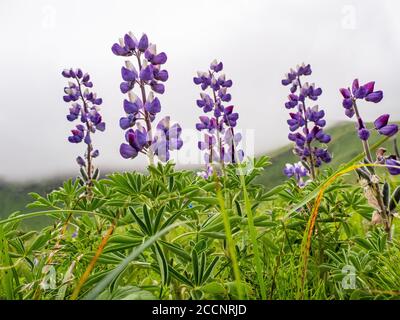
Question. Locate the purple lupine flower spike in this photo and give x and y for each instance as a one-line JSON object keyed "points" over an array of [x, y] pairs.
{"points": [[366, 92], [220, 141], [141, 111], [85, 106], [306, 123]]}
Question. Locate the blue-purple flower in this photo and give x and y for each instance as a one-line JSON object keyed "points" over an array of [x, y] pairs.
{"points": [[382, 126], [136, 140], [149, 76], [306, 123], [166, 139], [366, 92], [296, 170], [393, 165], [220, 141], [85, 107]]}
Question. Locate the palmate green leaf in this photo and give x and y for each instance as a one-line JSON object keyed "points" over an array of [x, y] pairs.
{"points": [[147, 221], [215, 223], [40, 241], [202, 266], [171, 219], [205, 200], [178, 276], [269, 195], [214, 288], [162, 264], [176, 249], [195, 267], [214, 235], [209, 269], [158, 218], [122, 242], [105, 258], [6, 274], [139, 221], [57, 213]]}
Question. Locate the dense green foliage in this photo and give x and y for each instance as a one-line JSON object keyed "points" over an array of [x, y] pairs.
{"points": [[172, 235]]}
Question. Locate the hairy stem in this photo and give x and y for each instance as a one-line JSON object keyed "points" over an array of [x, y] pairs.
{"points": [[89, 171], [375, 186], [146, 115], [311, 157]]}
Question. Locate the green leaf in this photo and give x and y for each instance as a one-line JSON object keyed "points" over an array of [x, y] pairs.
{"points": [[210, 269], [213, 288], [135, 252], [195, 266], [162, 264], [206, 200], [139, 221]]}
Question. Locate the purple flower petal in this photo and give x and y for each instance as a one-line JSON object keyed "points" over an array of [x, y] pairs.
{"points": [[374, 96], [363, 134], [118, 50], [146, 74], [369, 87], [130, 107], [347, 103], [130, 43], [158, 87], [160, 58], [381, 121], [345, 93], [389, 130], [143, 43], [128, 75], [127, 151], [355, 86]]}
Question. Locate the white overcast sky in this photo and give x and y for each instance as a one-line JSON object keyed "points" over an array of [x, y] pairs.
{"points": [[258, 41]]}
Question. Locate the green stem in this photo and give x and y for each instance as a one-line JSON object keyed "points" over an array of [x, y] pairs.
{"points": [[253, 238], [229, 240]]}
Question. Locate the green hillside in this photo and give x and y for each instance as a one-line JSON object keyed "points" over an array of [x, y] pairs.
{"points": [[344, 146]]}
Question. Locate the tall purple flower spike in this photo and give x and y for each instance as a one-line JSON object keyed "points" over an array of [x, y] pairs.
{"points": [[381, 124], [365, 92], [85, 107], [149, 77], [306, 123], [220, 140]]}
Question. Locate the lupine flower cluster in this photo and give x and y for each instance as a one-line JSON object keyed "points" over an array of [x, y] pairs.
{"points": [[220, 140], [381, 124], [366, 92], [296, 170], [306, 123], [141, 111], [85, 107]]}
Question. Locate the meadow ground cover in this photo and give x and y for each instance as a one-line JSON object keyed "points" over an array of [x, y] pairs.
{"points": [[216, 233]]}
